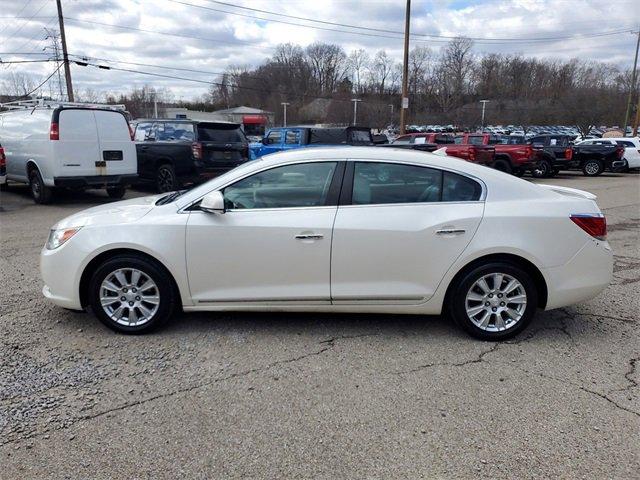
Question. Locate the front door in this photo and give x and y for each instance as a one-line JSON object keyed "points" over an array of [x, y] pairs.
{"points": [[273, 243], [401, 230]]}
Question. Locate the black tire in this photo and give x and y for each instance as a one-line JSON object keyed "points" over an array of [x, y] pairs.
{"points": [[518, 172], [592, 168], [458, 296], [166, 178], [503, 166], [554, 172], [4, 187], [39, 191], [116, 192], [152, 270], [542, 169]]}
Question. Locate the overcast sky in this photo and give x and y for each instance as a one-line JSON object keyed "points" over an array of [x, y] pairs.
{"points": [[237, 37]]}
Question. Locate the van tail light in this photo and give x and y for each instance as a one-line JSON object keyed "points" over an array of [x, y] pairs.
{"points": [[54, 132], [568, 153], [130, 131], [196, 149], [594, 224]]}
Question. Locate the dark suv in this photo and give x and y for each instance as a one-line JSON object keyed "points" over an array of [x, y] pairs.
{"points": [[172, 152]]}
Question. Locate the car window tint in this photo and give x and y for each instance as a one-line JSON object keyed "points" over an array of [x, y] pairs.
{"points": [[292, 137], [142, 132], [624, 143], [177, 132], [458, 188], [300, 185], [420, 140], [475, 140], [220, 133], [377, 183]]}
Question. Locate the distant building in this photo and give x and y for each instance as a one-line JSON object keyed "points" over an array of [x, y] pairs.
{"points": [[254, 120]]}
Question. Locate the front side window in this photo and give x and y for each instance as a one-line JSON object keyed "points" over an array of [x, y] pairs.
{"points": [[379, 183], [299, 185]]}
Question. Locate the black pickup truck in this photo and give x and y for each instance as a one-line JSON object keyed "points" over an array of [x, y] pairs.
{"points": [[557, 152], [172, 152]]}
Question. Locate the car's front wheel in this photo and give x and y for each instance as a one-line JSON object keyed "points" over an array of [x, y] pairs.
{"points": [[116, 192], [495, 301], [166, 179], [132, 294], [592, 168], [542, 169]]}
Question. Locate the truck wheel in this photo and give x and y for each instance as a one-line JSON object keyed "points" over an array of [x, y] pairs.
{"points": [[503, 166], [592, 168], [518, 172], [40, 192], [116, 192], [165, 178], [542, 170], [554, 172]]}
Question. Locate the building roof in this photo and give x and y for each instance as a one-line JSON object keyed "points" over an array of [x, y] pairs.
{"points": [[243, 110]]}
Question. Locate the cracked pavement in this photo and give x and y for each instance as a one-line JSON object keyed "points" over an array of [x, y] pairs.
{"points": [[318, 396]]}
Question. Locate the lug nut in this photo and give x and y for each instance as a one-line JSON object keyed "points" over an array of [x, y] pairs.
{"points": [[134, 290], [486, 303], [502, 304], [491, 295], [499, 295], [138, 298], [122, 298], [124, 290], [494, 309], [131, 304]]}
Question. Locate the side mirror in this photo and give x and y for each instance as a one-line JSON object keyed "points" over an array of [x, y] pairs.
{"points": [[213, 202], [265, 140]]}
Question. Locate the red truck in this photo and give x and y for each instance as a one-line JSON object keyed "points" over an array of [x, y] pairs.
{"points": [[482, 154], [513, 155]]}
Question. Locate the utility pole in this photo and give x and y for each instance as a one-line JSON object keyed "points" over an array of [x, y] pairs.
{"points": [[54, 37], [484, 103], [355, 109], [65, 57], [155, 104], [405, 70], [637, 120], [633, 87], [284, 106]]}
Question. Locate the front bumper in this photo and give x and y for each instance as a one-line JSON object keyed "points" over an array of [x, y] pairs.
{"points": [[95, 181], [587, 274], [61, 270]]}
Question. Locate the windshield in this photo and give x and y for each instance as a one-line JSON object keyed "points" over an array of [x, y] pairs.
{"points": [[220, 133]]}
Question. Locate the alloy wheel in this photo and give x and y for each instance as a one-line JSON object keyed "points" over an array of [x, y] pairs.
{"points": [[165, 179], [129, 297], [592, 168], [496, 302]]}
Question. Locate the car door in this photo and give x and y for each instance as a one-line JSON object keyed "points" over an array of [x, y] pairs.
{"points": [[398, 229], [273, 243], [272, 142]]}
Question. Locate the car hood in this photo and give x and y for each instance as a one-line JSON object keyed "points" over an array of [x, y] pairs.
{"points": [[126, 211]]}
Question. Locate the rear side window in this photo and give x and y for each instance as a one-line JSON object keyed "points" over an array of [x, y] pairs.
{"points": [[458, 188], [624, 143], [143, 131], [292, 137], [380, 183], [174, 132], [475, 140], [220, 133]]}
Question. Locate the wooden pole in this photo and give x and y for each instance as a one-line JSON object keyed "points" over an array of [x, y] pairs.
{"points": [[405, 71]]}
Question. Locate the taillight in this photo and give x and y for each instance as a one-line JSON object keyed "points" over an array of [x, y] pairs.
{"points": [[54, 132], [472, 155], [568, 153], [529, 151], [196, 149], [3, 159], [620, 152], [594, 224]]}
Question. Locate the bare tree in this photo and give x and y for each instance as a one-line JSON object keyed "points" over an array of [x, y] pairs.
{"points": [[358, 63]]}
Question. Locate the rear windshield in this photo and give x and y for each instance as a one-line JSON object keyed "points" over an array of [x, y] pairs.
{"points": [[221, 133]]}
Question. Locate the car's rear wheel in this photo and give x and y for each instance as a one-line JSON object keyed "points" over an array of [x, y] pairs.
{"points": [[502, 165], [132, 294], [495, 301], [592, 168], [116, 192], [39, 191], [518, 172], [166, 179], [542, 169]]}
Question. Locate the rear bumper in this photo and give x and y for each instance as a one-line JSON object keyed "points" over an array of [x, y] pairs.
{"points": [[588, 273], [95, 181]]}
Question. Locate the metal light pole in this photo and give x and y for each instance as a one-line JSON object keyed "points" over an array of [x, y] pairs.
{"points": [[484, 103], [632, 89], [355, 109], [155, 104], [405, 70], [284, 106]]}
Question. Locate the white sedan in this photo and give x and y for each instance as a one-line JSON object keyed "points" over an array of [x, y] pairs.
{"points": [[344, 229]]}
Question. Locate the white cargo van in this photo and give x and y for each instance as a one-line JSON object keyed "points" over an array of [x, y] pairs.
{"points": [[68, 145]]}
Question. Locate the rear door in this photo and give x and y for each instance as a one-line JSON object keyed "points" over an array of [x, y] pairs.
{"points": [[117, 151], [224, 146], [78, 149], [399, 230]]}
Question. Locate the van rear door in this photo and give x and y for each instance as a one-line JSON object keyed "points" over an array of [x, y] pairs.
{"points": [[77, 150], [116, 149]]}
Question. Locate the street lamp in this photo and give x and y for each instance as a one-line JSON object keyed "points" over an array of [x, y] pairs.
{"points": [[284, 105], [484, 103], [355, 109]]}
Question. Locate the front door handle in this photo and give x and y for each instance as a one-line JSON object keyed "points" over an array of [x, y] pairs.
{"points": [[309, 236], [450, 231]]}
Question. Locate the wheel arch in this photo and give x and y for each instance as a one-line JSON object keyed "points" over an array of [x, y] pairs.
{"points": [[526, 265], [95, 262]]}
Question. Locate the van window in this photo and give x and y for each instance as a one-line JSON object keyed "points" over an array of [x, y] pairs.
{"points": [[78, 125]]}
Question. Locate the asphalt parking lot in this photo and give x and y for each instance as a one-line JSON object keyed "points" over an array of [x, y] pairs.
{"points": [[317, 396]]}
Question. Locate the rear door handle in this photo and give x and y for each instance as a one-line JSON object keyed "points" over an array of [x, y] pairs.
{"points": [[309, 236], [450, 231]]}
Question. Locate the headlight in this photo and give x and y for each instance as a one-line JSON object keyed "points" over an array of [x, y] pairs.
{"points": [[58, 237]]}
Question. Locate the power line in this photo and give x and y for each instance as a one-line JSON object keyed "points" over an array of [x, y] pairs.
{"points": [[45, 81]]}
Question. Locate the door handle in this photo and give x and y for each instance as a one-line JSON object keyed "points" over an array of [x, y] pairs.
{"points": [[309, 236], [450, 231]]}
